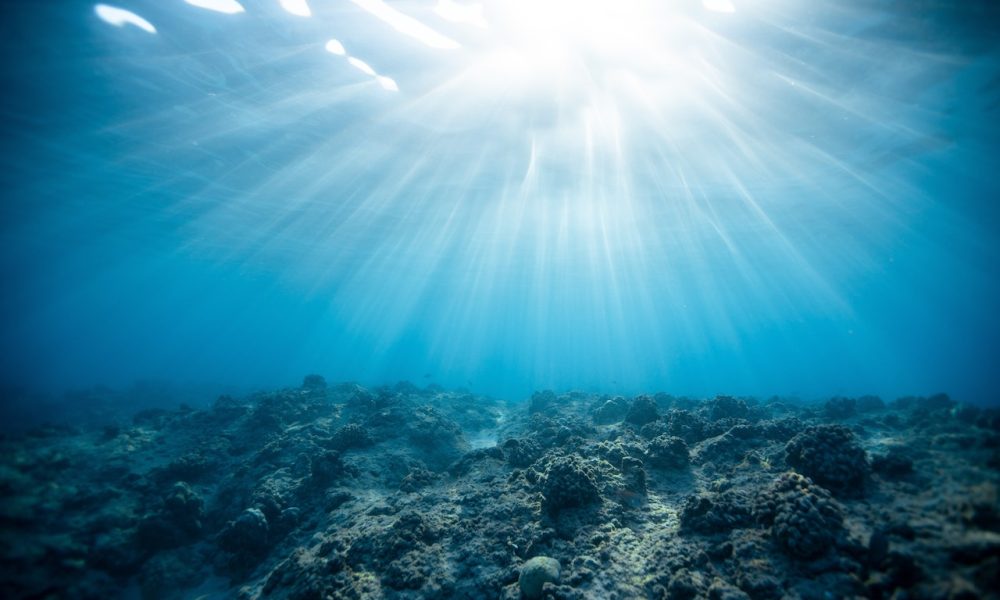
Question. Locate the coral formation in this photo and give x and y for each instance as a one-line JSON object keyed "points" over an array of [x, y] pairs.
{"points": [[804, 518], [535, 573], [643, 410], [402, 492], [568, 482], [727, 407], [350, 436], [667, 452], [521, 452], [716, 512], [611, 410], [831, 456], [894, 464]]}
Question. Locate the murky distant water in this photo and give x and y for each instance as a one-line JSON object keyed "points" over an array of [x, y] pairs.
{"points": [[700, 197]]}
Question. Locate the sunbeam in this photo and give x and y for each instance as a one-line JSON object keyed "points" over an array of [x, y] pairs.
{"points": [[120, 17], [644, 190]]}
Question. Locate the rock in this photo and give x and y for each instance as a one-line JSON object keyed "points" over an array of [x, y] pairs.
{"points": [[686, 425], [634, 475], [654, 429], [687, 584], [757, 580], [831, 456], [417, 479], [643, 410], [668, 452], [177, 520], [166, 573], [805, 520], [535, 573], [432, 431], [521, 452], [729, 447], [569, 482], [980, 507], [878, 548], [781, 430], [710, 513], [274, 498], [184, 508], [727, 407], [720, 590], [326, 467], [246, 537], [191, 466], [475, 457], [114, 551], [611, 411], [975, 547], [350, 436], [894, 464]]}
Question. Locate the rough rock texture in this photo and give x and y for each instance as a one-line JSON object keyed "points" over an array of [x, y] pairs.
{"points": [[568, 482], [667, 452], [334, 491], [894, 464], [805, 520], [727, 407], [350, 436], [643, 410], [535, 573], [611, 410], [831, 456], [716, 512], [521, 452]]}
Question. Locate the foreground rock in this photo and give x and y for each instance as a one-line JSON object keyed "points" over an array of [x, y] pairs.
{"points": [[337, 491]]}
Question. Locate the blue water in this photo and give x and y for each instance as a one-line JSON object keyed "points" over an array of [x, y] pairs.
{"points": [[790, 198]]}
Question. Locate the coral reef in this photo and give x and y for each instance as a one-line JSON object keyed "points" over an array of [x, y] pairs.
{"points": [[611, 410], [667, 452], [535, 573], [804, 518], [568, 482], [402, 492], [716, 512], [831, 456], [643, 410]]}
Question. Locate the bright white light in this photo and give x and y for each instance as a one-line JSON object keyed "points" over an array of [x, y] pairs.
{"points": [[120, 17], [460, 12], [720, 6], [406, 25], [229, 7], [361, 66], [387, 83], [299, 8], [335, 47], [554, 32]]}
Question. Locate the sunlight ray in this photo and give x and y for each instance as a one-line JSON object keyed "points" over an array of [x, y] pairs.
{"points": [[120, 17]]}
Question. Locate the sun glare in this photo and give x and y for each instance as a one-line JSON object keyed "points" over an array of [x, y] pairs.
{"points": [[554, 29], [299, 8], [227, 7], [120, 17]]}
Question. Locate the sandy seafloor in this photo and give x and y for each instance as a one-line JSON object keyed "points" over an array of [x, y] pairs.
{"points": [[336, 491]]}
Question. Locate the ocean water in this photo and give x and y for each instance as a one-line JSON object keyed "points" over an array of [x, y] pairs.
{"points": [[514, 299], [743, 197]]}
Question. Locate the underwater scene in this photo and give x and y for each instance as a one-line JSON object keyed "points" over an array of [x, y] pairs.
{"points": [[512, 299]]}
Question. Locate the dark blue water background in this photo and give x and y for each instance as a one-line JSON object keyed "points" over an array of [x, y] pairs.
{"points": [[795, 198]]}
